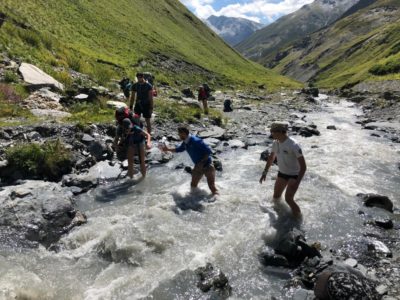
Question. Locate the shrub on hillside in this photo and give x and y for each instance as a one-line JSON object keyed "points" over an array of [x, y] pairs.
{"points": [[391, 67], [9, 94], [50, 161], [10, 76]]}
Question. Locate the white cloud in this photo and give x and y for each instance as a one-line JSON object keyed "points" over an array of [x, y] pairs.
{"points": [[256, 10]]}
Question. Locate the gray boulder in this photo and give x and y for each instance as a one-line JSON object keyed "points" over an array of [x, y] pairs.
{"points": [[37, 211], [37, 78]]}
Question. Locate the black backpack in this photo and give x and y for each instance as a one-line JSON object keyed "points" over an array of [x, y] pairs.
{"points": [[125, 84], [207, 89]]}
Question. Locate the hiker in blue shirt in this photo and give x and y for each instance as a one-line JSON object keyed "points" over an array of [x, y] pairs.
{"points": [[200, 154]]}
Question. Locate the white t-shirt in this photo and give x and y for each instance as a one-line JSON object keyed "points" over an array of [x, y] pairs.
{"points": [[287, 154]]}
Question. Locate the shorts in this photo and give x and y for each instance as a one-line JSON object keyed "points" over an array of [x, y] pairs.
{"points": [[144, 110], [207, 171], [287, 177]]}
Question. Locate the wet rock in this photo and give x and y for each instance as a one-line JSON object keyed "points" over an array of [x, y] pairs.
{"points": [[379, 248], [264, 155], [384, 223], [217, 165], [235, 144], [351, 262], [331, 127], [375, 200], [87, 139], [344, 285], [294, 247], [211, 278], [308, 131], [268, 257], [310, 91], [37, 211], [188, 169], [100, 150]]}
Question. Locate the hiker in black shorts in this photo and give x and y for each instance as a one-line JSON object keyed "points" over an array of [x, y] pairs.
{"points": [[141, 99]]}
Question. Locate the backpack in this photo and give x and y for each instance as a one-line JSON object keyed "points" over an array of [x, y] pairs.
{"points": [[207, 89], [150, 78], [125, 84], [122, 113]]}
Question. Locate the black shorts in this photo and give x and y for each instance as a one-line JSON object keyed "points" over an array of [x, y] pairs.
{"points": [[287, 177], [144, 110]]}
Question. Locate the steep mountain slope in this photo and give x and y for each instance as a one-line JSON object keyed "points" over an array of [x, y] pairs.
{"points": [[233, 30], [362, 46], [262, 45], [108, 38]]}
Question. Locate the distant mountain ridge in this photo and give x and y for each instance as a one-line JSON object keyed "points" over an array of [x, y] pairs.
{"points": [[364, 45], [232, 30], [262, 45]]}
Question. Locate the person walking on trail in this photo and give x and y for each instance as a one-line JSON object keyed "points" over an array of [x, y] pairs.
{"points": [[200, 153], [291, 163], [203, 95], [136, 138], [141, 99]]}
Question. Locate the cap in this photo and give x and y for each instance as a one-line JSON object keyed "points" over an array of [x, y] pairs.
{"points": [[279, 126], [126, 123]]}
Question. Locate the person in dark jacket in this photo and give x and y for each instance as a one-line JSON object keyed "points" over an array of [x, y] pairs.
{"points": [[136, 139], [200, 154], [141, 99]]}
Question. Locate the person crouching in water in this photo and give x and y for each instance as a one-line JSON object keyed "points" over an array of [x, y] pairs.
{"points": [[135, 140], [200, 153], [291, 163]]}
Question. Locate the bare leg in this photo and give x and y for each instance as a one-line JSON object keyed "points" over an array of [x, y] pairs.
{"points": [[280, 185], [196, 176], [210, 175], [148, 125], [205, 106], [142, 159], [289, 197], [131, 160]]}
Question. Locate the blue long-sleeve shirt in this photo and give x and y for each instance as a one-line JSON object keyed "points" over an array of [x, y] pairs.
{"points": [[196, 149]]}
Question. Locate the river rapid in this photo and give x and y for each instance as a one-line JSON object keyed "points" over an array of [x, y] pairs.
{"points": [[143, 240]]}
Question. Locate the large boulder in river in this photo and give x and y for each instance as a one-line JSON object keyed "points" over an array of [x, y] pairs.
{"points": [[374, 200], [36, 78], [36, 212]]}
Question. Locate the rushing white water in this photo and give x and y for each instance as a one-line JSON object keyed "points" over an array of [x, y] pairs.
{"points": [[140, 236]]}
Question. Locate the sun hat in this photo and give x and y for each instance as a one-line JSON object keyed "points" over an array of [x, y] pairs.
{"points": [[279, 126]]}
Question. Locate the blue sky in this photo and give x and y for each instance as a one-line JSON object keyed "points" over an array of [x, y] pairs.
{"points": [[263, 11]]}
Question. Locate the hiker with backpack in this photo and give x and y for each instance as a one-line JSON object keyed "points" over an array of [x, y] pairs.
{"points": [[141, 99], [126, 84], [130, 139], [136, 139], [204, 92]]}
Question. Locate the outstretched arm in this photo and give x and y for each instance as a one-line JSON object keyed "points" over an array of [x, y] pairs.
{"points": [[270, 161]]}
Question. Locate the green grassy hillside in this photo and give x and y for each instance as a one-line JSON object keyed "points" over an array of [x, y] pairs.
{"points": [[110, 38], [362, 46]]}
